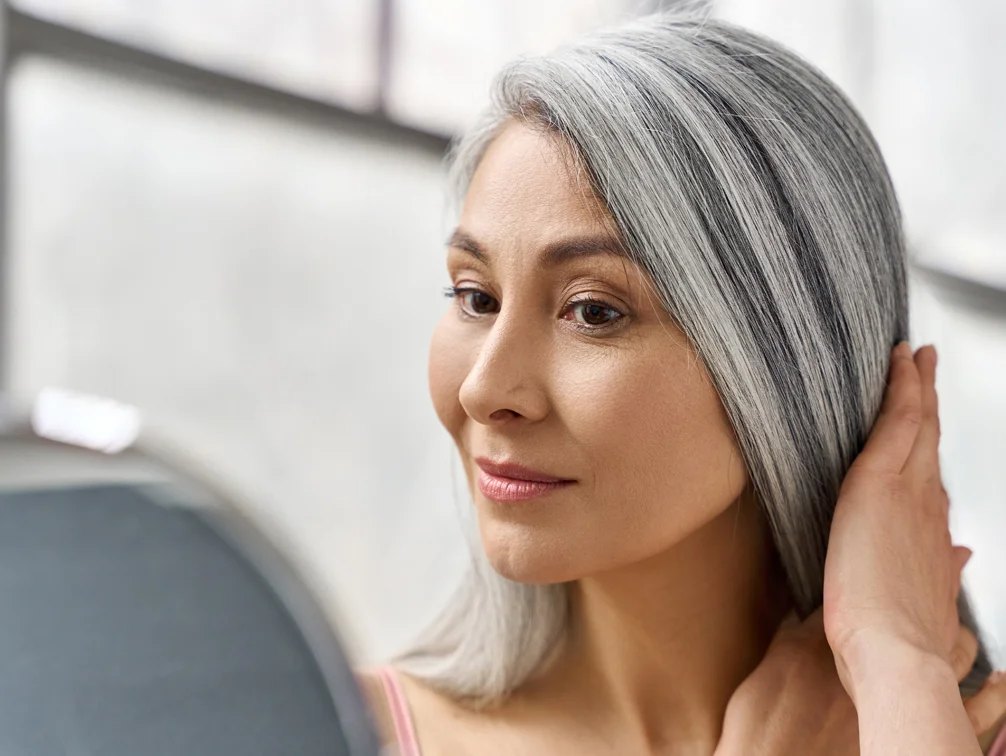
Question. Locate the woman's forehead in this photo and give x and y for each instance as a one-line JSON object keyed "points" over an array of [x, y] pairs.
{"points": [[526, 168], [529, 186]]}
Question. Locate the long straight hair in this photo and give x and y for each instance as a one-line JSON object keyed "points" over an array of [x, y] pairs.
{"points": [[753, 194]]}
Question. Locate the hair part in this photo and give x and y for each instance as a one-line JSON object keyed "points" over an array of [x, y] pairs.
{"points": [[745, 184]]}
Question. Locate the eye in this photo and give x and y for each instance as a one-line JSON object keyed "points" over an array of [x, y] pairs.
{"points": [[594, 314], [472, 301]]}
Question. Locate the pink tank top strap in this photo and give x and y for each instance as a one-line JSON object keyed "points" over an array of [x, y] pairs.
{"points": [[405, 731], [999, 746], [408, 743]]}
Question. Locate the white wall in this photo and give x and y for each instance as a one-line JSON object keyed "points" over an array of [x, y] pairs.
{"points": [[938, 107], [448, 51], [265, 290]]}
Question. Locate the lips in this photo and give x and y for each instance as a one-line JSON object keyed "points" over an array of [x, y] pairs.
{"points": [[510, 482]]}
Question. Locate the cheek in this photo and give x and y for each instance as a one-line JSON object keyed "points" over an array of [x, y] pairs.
{"points": [[448, 368], [659, 445]]}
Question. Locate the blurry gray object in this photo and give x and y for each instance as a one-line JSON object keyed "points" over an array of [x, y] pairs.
{"points": [[142, 615], [979, 296]]}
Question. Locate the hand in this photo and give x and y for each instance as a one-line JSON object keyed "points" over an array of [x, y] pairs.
{"points": [[794, 703], [892, 575]]}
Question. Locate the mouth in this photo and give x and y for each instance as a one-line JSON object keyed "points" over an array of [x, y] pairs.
{"points": [[509, 482]]}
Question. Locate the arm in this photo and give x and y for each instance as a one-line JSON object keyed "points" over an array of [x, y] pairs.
{"points": [[890, 640], [892, 578], [794, 703], [908, 701]]}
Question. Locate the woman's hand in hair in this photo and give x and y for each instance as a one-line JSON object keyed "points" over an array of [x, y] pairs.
{"points": [[892, 576], [794, 703]]}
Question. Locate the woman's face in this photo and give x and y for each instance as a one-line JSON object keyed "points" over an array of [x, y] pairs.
{"points": [[555, 356]]}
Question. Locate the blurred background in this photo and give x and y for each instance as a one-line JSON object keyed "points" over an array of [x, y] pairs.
{"points": [[231, 215]]}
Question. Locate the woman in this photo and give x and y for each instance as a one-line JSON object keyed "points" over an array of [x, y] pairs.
{"points": [[677, 278]]}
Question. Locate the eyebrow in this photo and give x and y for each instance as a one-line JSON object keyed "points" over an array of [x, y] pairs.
{"points": [[554, 253]]}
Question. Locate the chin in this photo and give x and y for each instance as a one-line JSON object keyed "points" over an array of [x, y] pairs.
{"points": [[519, 553]]}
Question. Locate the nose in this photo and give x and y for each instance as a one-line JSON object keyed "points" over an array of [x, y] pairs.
{"points": [[507, 379]]}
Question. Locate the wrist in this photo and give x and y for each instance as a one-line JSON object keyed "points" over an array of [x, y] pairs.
{"points": [[906, 698], [887, 665]]}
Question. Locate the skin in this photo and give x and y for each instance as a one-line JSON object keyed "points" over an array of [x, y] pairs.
{"points": [[794, 703], [627, 411], [892, 622], [566, 364]]}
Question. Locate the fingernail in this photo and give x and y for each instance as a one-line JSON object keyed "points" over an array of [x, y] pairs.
{"points": [[903, 349], [997, 677]]}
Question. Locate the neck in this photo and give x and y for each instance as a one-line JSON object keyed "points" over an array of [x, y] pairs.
{"points": [[660, 646]]}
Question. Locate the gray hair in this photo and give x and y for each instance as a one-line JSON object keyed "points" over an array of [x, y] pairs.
{"points": [[752, 193]]}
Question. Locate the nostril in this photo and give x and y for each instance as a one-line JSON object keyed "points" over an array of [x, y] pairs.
{"points": [[503, 414]]}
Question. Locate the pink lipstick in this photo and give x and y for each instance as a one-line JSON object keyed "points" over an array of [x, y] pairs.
{"points": [[508, 482]]}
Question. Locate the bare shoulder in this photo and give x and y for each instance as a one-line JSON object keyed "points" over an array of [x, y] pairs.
{"points": [[445, 726], [373, 690], [521, 724], [442, 725]]}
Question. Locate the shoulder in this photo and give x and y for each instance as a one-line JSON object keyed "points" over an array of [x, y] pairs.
{"points": [[442, 725], [372, 685]]}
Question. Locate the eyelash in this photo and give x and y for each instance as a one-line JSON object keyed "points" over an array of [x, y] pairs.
{"points": [[458, 292]]}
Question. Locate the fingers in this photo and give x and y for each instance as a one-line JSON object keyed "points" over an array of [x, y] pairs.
{"points": [[987, 706], [792, 619], [789, 628], [793, 630], [923, 460], [964, 653], [961, 556], [815, 621], [897, 427]]}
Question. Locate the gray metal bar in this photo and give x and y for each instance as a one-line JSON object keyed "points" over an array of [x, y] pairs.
{"points": [[5, 282], [385, 51], [26, 34]]}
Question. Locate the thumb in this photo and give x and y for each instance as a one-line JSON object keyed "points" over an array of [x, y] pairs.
{"points": [[962, 554], [788, 628], [790, 620], [793, 627]]}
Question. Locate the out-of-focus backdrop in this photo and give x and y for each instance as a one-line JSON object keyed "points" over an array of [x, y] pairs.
{"points": [[232, 216]]}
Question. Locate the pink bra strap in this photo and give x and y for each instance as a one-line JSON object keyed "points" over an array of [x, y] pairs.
{"points": [[999, 747], [405, 732]]}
